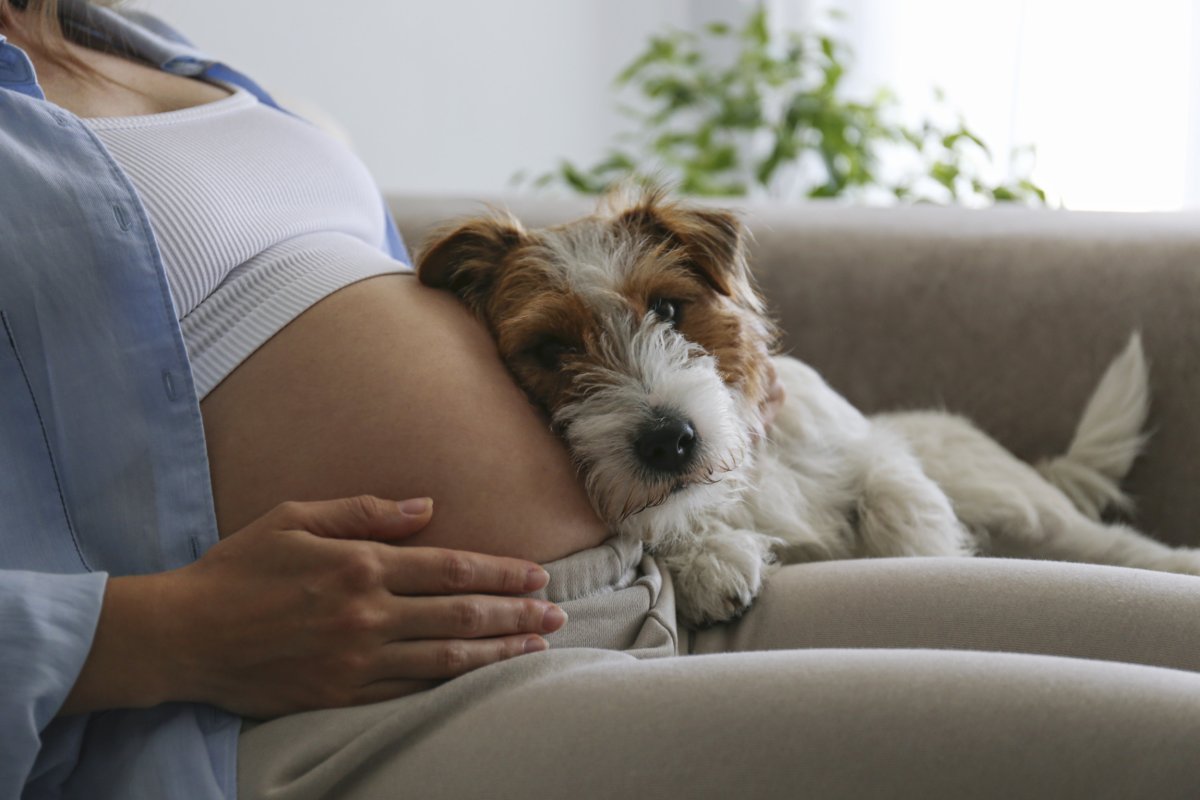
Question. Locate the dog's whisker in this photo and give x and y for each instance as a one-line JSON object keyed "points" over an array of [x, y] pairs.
{"points": [[627, 506]]}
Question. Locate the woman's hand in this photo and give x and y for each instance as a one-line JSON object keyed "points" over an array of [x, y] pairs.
{"points": [[311, 606]]}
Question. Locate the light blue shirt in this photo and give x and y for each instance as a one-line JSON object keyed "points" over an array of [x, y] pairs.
{"points": [[103, 467]]}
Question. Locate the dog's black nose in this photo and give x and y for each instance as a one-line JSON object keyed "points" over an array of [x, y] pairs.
{"points": [[666, 444]]}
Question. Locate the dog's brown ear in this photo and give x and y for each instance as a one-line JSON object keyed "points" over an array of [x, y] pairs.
{"points": [[464, 259], [713, 239]]}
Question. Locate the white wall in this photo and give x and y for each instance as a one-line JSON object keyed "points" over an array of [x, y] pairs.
{"points": [[458, 95], [1107, 90], [1192, 200], [440, 95]]}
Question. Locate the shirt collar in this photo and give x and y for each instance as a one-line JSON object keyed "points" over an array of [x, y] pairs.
{"points": [[139, 35], [134, 33], [16, 70]]}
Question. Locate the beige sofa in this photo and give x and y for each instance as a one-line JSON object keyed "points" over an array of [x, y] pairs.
{"points": [[921, 678], [1007, 315]]}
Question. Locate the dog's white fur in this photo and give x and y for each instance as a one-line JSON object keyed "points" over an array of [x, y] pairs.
{"points": [[826, 482], [830, 483]]}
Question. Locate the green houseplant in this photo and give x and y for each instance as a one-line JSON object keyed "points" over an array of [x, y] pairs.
{"points": [[773, 121]]}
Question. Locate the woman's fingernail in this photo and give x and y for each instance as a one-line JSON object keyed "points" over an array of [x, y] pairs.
{"points": [[553, 619], [536, 578], [416, 507], [536, 645]]}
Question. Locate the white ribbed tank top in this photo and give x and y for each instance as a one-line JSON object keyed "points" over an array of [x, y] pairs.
{"points": [[258, 215]]}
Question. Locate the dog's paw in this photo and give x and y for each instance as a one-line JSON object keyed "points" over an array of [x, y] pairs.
{"points": [[718, 580]]}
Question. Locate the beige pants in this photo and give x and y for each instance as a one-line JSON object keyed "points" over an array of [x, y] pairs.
{"points": [[923, 678]]}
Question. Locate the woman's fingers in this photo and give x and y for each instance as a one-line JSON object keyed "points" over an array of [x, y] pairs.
{"points": [[406, 668], [361, 517], [301, 609], [435, 571], [417, 570], [473, 617], [440, 659]]}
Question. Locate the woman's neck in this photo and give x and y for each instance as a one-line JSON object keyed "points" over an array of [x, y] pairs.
{"points": [[104, 84]]}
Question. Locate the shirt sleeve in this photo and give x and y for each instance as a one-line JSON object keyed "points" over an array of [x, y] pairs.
{"points": [[393, 244], [47, 623]]}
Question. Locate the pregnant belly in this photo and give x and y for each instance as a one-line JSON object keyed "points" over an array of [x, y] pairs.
{"points": [[390, 388]]}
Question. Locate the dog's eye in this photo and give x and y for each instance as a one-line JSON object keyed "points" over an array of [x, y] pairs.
{"points": [[667, 310], [550, 353]]}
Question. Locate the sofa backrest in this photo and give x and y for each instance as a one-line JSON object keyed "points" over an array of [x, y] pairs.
{"points": [[1007, 315]]}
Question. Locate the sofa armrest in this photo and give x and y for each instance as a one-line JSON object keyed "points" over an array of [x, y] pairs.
{"points": [[1007, 315]]}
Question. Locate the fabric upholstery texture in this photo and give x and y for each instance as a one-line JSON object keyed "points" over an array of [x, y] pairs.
{"points": [[904, 678]]}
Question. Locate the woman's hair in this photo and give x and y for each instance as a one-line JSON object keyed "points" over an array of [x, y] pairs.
{"points": [[42, 28]]}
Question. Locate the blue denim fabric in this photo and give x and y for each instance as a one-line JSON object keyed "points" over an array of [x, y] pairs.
{"points": [[103, 469]]}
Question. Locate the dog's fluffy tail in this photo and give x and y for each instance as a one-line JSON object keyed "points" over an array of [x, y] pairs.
{"points": [[1109, 437]]}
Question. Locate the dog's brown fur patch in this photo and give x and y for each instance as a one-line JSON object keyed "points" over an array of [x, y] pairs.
{"points": [[694, 257]]}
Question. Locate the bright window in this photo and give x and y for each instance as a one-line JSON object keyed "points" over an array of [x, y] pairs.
{"points": [[1107, 91]]}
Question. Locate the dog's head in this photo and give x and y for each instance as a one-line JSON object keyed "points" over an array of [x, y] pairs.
{"points": [[639, 331]]}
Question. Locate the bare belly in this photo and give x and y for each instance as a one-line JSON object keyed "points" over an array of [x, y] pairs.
{"points": [[391, 388]]}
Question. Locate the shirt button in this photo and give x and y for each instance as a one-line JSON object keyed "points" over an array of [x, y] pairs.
{"points": [[169, 385], [184, 65], [122, 216]]}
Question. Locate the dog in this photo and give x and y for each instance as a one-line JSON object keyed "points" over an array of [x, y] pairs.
{"points": [[640, 333]]}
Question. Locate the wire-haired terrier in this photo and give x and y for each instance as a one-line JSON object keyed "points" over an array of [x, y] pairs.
{"points": [[639, 331]]}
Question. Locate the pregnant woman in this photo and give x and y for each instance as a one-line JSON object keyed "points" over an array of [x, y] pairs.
{"points": [[214, 367]]}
